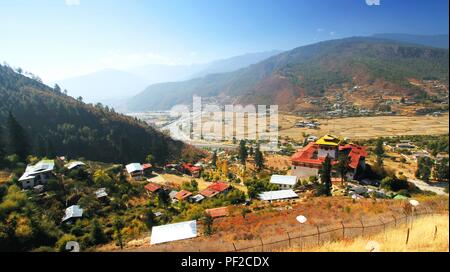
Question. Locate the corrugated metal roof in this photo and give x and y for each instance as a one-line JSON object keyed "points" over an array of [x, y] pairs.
{"points": [[134, 167], [285, 180], [173, 232], [72, 165], [40, 167], [218, 212], [278, 195], [73, 212]]}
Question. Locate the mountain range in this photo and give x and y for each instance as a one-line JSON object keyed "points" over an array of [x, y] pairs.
{"points": [[306, 71], [111, 86]]}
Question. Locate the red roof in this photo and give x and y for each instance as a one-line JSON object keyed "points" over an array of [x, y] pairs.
{"points": [[308, 154], [215, 189], [218, 212], [182, 195], [146, 166], [191, 168], [152, 187], [219, 186]]}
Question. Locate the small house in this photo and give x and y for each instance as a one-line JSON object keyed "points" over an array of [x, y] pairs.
{"points": [[284, 182], [215, 189], [72, 213], [152, 188], [135, 170], [218, 212], [183, 195], [37, 174]]}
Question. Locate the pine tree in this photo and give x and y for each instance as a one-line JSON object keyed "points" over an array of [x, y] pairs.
{"points": [[325, 176], [2, 150], [208, 224], [18, 142], [97, 236], [379, 152], [342, 166], [259, 158], [214, 159], [243, 152]]}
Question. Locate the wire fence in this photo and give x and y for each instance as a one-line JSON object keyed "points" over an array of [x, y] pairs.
{"points": [[302, 237], [315, 235]]}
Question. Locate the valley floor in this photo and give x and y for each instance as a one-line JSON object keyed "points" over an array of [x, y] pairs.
{"points": [[368, 127]]}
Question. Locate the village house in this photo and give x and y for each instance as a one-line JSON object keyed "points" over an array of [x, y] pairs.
{"points": [[37, 174], [191, 170], [282, 195], [183, 195], [72, 213], [284, 182], [218, 212], [135, 170], [152, 188], [308, 161], [75, 165], [215, 189]]}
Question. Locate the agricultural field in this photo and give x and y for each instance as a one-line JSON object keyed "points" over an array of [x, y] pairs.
{"points": [[368, 127]]}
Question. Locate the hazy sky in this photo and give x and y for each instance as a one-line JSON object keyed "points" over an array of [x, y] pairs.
{"points": [[62, 38]]}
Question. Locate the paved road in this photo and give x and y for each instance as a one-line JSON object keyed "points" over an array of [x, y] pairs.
{"points": [[438, 188]]}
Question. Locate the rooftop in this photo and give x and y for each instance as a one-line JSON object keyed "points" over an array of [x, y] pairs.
{"points": [[278, 195], [218, 212], [283, 180], [134, 167], [74, 164], [173, 232], [40, 167], [152, 187], [182, 195], [73, 212], [329, 140]]}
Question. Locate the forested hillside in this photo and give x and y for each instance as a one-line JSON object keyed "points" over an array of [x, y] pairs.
{"points": [[57, 124], [307, 71]]}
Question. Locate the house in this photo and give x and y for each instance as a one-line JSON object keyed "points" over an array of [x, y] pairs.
{"points": [[197, 198], [74, 165], [173, 232], [215, 189], [152, 188], [147, 168], [101, 193], [308, 161], [218, 212], [277, 195], [284, 182], [135, 170], [183, 195], [72, 213], [191, 170], [37, 174]]}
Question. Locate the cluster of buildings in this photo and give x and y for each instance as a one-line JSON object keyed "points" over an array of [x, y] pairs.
{"points": [[211, 191]]}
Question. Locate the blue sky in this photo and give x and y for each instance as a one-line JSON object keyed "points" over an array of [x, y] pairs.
{"points": [[62, 38]]}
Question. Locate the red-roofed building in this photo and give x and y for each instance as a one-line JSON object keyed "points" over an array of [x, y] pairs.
{"points": [[308, 161], [152, 187], [215, 189], [183, 195], [218, 212], [192, 170]]}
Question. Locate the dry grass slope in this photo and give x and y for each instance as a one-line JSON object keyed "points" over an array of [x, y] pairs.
{"points": [[422, 238]]}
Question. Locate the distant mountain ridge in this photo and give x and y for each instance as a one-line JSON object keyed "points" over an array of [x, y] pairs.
{"points": [[438, 41], [109, 86], [305, 71]]}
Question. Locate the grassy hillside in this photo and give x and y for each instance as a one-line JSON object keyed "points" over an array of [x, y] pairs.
{"points": [[307, 71], [57, 124]]}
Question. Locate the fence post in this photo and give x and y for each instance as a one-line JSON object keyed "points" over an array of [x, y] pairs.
{"points": [[362, 225], [235, 249], [384, 225], [262, 244], [343, 230], [318, 235], [407, 237], [395, 220], [289, 237], [435, 233]]}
